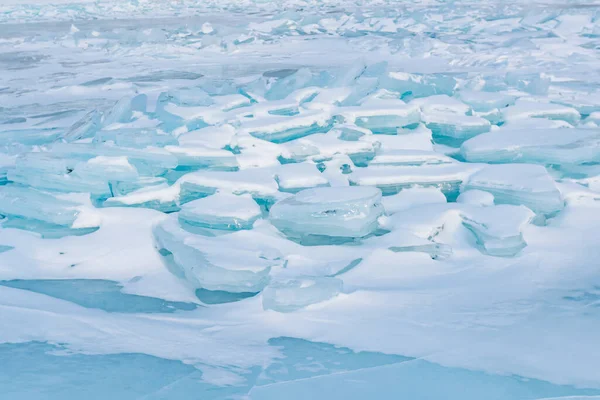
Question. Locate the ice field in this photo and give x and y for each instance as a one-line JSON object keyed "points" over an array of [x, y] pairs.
{"points": [[299, 199]]}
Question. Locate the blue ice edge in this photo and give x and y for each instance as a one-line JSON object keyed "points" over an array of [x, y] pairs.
{"points": [[305, 370], [98, 293]]}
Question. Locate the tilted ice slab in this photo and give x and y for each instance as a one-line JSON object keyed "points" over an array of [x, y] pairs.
{"points": [[233, 263], [279, 129], [456, 126], [221, 211], [96, 175], [27, 203], [541, 146], [391, 180], [148, 161], [285, 295], [342, 212], [525, 184], [498, 229]]}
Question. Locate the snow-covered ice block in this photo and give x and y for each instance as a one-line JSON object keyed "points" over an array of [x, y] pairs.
{"points": [[321, 147], [286, 295], [221, 211], [540, 146], [280, 129], [293, 178], [391, 180], [531, 109], [203, 157], [486, 101], [401, 241], [260, 183], [340, 212], [158, 195], [456, 126], [409, 158], [412, 197], [413, 85], [526, 184], [27, 203], [476, 197], [135, 138], [382, 118], [236, 262], [441, 104], [498, 229], [148, 161]]}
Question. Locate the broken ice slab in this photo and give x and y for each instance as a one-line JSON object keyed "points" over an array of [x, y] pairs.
{"points": [[391, 180], [85, 128], [138, 138], [286, 85], [525, 184], [210, 136], [456, 126], [196, 157], [541, 146], [27, 203], [237, 262], [121, 188], [531, 109], [286, 295], [149, 161], [280, 129], [293, 178], [260, 183], [122, 111], [320, 147], [221, 211], [340, 212], [414, 85], [486, 101], [498, 229], [396, 158], [157, 195], [384, 118], [42, 171]]}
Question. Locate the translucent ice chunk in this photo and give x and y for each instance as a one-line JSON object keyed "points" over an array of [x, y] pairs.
{"points": [[397, 158], [543, 146], [292, 294], [531, 109], [456, 126], [486, 101], [526, 184], [498, 229], [293, 178], [343, 212], [149, 161], [382, 118], [414, 85], [221, 211], [232, 263], [27, 203], [260, 183], [280, 129], [391, 180], [320, 147]]}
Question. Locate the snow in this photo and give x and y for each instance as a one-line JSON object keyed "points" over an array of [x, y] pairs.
{"points": [[299, 199]]}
